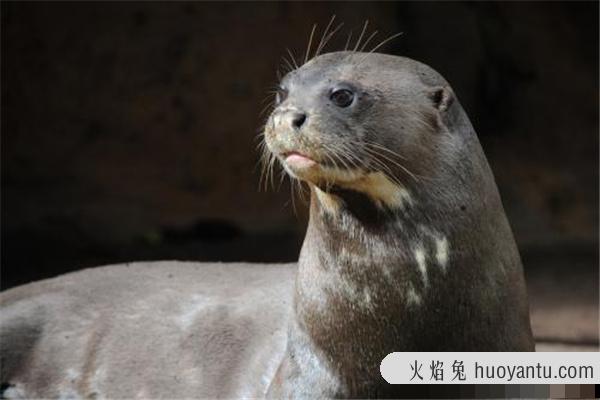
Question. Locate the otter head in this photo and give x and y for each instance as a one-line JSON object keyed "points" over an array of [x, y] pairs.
{"points": [[360, 122]]}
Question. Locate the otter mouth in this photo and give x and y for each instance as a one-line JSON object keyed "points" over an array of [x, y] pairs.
{"points": [[298, 161]]}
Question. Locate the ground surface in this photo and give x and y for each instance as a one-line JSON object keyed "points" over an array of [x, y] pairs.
{"points": [[563, 297]]}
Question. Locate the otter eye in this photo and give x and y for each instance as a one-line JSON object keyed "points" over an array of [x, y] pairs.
{"points": [[341, 97], [280, 95]]}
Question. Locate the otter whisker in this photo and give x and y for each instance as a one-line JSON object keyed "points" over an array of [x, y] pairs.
{"points": [[335, 155], [385, 157], [260, 137], [371, 36], [261, 130], [364, 29], [356, 161], [342, 152], [260, 149], [268, 97], [373, 158], [264, 160], [348, 41], [383, 42], [412, 175], [293, 58], [378, 146], [293, 195], [261, 144], [296, 189], [269, 166], [324, 34], [346, 158], [266, 108], [288, 66], [310, 39], [332, 161], [301, 190], [352, 159], [272, 172], [328, 154], [386, 170], [377, 153], [322, 47], [282, 175]]}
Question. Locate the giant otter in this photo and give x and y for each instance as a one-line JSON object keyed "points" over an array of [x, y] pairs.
{"points": [[407, 249]]}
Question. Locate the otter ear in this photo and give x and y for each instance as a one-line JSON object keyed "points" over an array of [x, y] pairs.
{"points": [[442, 97]]}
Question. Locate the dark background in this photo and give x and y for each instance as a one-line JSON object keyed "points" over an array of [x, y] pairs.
{"points": [[128, 129]]}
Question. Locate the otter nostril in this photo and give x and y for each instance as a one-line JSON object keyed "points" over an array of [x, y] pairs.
{"points": [[298, 120]]}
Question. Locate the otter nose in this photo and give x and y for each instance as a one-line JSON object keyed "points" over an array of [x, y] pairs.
{"points": [[298, 119]]}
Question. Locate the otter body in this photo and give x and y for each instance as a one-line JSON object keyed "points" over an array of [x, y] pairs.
{"points": [[152, 330], [407, 249]]}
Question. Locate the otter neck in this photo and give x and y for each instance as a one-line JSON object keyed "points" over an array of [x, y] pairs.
{"points": [[355, 283]]}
